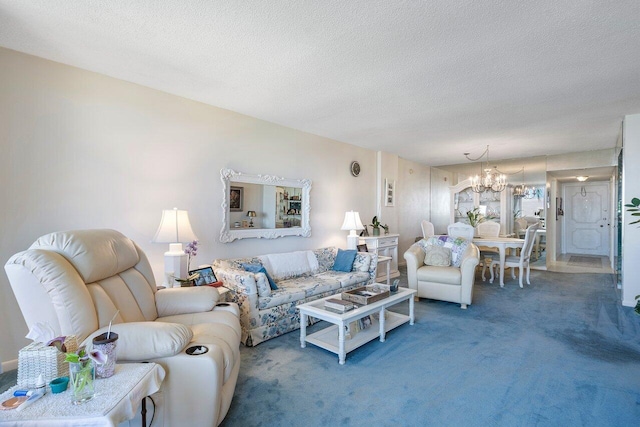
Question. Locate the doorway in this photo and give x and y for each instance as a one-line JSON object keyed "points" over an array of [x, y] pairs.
{"points": [[587, 218]]}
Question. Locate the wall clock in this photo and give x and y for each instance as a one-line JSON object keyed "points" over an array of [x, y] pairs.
{"points": [[355, 168]]}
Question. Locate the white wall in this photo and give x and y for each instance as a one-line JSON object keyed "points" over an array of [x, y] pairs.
{"points": [[441, 180], [414, 195], [81, 150], [630, 189]]}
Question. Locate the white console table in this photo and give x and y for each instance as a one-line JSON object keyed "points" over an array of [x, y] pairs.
{"points": [[117, 399], [384, 245]]}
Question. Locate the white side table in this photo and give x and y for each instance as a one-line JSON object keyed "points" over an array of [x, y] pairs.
{"points": [[117, 399], [384, 245], [387, 260]]}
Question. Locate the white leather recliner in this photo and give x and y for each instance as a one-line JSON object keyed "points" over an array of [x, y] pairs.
{"points": [[75, 281]]}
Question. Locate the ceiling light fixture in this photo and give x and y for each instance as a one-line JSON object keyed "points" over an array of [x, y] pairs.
{"points": [[582, 178], [489, 179], [523, 191]]}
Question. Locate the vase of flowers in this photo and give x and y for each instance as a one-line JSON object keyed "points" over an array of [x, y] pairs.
{"points": [[191, 250], [82, 373]]}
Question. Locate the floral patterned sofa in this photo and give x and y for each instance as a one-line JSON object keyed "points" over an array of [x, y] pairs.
{"points": [[300, 276]]}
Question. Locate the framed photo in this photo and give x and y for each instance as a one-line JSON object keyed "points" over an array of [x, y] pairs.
{"points": [[389, 192], [245, 223], [236, 196], [205, 276], [362, 248]]}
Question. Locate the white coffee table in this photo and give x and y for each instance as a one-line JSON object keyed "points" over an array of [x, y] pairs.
{"points": [[333, 337]]}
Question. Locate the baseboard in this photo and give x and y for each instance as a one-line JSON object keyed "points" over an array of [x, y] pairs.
{"points": [[9, 365]]}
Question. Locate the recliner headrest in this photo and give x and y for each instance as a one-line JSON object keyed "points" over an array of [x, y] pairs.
{"points": [[95, 254]]}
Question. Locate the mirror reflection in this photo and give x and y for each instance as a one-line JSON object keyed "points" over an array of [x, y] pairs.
{"points": [[529, 203], [263, 206]]}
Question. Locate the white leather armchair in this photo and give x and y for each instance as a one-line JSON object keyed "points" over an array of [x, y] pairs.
{"points": [[75, 281], [453, 284]]}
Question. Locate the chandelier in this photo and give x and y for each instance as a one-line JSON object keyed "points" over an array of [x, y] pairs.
{"points": [[490, 179], [523, 191]]}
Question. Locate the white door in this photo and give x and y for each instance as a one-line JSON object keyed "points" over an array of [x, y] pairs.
{"points": [[586, 218]]}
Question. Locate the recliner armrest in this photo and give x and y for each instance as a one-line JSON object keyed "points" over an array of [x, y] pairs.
{"points": [[194, 299], [140, 341]]}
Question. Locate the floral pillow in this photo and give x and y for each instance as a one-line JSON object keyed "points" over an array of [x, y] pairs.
{"points": [[457, 246], [438, 256], [361, 263]]}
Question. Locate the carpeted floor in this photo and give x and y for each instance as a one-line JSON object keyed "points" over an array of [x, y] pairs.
{"points": [[585, 261], [561, 352]]}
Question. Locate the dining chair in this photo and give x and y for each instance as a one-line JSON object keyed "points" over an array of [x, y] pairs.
{"points": [[521, 261], [427, 229], [460, 229], [487, 255], [521, 226]]}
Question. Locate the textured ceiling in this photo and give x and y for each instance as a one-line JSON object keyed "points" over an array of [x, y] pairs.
{"points": [[428, 80]]}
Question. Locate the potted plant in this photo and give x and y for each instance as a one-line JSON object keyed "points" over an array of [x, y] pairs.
{"points": [[376, 225], [634, 208], [475, 217]]}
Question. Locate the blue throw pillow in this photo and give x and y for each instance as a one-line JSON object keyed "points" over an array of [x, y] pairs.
{"points": [[257, 268], [344, 260]]}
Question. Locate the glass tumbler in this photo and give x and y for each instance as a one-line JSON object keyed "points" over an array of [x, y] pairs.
{"points": [[106, 345]]}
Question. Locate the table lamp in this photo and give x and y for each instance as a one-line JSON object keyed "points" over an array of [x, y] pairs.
{"points": [[174, 229], [251, 214], [352, 222]]}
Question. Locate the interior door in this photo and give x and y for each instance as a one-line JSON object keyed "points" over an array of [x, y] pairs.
{"points": [[586, 218]]}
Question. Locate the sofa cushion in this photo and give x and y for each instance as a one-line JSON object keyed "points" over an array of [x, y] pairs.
{"points": [[258, 268], [264, 288], [325, 257], [362, 262], [346, 279], [313, 285], [290, 264], [446, 275], [282, 295], [437, 255], [344, 260]]}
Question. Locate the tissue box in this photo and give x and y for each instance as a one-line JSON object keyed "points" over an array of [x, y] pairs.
{"points": [[38, 358]]}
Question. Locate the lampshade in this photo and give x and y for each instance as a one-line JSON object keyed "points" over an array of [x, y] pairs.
{"points": [[352, 221], [251, 214], [174, 227]]}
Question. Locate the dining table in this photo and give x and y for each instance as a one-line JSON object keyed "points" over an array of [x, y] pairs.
{"points": [[502, 244]]}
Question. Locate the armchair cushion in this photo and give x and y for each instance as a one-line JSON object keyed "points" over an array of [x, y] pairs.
{"points": [[438, 256], [457, 245], [186, 300], [140, 341]]}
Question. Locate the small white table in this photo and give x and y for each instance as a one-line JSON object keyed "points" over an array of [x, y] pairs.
{"points": [[333, 337], [502, 243], [387, 260], [117, 399]]}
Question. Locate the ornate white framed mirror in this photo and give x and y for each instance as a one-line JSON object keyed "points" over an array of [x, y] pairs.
{"points": [[263, 206]]}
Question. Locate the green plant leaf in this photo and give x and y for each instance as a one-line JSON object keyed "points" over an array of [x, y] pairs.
{"points": [[72, 357]]}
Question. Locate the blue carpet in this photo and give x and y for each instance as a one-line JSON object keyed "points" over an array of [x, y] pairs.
{"points": [[561, 352]]}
